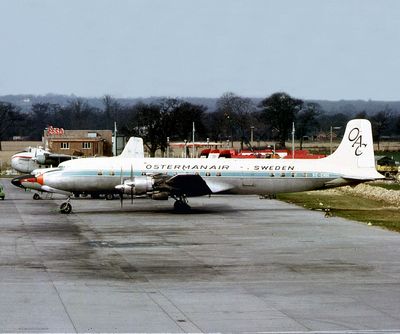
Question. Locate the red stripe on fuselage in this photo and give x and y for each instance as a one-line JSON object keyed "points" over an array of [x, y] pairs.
{"points": [[22, 157]]}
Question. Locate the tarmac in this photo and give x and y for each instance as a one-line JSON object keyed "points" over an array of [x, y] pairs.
{"points": [[234, 264]]}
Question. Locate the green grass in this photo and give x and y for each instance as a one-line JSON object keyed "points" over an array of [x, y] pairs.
{"points": [[350, 207], [395, 155], [388, 186]]}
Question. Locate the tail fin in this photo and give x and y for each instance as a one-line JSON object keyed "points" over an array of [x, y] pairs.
{"points": [[356, 150], [133, 148]]}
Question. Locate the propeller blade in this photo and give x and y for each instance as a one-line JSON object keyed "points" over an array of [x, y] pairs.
{"points": [[121, 194], [132, 185]]}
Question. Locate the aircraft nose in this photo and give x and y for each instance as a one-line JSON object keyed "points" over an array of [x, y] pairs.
{"points": [[17, 181]]}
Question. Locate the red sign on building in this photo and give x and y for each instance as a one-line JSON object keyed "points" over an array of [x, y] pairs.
{"points": [[54, 131]]}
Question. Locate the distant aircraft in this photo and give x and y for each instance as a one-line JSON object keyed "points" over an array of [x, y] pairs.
{"points": [[36, 157], [24, 161], [160, 178]]}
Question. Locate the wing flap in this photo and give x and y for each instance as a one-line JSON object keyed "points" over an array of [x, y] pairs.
{"points": [[189, 185], [195, 185]]}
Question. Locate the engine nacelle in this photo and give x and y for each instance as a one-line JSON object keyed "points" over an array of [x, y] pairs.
{"points": [[139, 185], [160, 196], [142, 184], [40, 159]]}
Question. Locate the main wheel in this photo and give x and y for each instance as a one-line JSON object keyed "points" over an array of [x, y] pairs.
{"points": [[65, 208], [180, 206], [36, 196], [109, 197]]}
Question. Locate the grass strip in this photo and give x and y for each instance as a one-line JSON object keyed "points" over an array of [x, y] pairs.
{"points": [[361, 209]]}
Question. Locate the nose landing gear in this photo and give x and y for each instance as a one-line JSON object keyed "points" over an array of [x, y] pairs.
{"points": [[66, 207]]}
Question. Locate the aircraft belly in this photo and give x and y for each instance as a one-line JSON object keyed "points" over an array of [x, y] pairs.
{"points": [[278, 185]]}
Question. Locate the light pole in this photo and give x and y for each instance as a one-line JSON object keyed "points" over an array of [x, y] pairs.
{"points": [[293, 131], [167, 147], [251, 135], [193, 141]]}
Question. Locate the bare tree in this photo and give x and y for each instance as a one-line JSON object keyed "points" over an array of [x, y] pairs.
{"points": [[112, 110], [306, 119], [237, 113], [380, 122], [9, 115], [279, 111]]}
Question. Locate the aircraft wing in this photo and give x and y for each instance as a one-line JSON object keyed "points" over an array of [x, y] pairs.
{"points": [[62, 157], [52, 158], [195, 185]]}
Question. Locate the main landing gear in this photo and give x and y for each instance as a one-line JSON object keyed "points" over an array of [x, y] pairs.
{"points": [[66, 207], [181, 204], [36, 196]]}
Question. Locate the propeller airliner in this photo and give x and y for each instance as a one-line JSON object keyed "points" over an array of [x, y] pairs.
{"points": [[36, 157], [23, 163], [179, 178]]}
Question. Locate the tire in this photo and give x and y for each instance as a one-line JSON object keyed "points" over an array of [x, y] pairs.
{"points": [[36, 196], [65, 208], [109, 197], [181, 207]]}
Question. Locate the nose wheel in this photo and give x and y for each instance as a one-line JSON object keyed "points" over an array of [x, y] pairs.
{"points": [[66, 207]]}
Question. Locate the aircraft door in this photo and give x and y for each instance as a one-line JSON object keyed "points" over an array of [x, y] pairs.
{"points": [[247, 176]]}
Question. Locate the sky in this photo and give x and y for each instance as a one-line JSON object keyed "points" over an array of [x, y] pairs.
{"points": [[310, 49]]}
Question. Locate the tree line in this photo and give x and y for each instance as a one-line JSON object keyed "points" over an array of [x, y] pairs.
{"points": [[234, 119]]}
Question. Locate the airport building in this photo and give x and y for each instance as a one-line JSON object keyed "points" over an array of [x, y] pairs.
{"points": [[78, 142]]}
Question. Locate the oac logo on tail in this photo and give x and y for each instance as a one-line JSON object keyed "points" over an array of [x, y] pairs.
{"points": [[356, 138]]}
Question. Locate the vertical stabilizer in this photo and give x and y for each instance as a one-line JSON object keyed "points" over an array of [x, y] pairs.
{"points": [[356, 150], [133, 148]]}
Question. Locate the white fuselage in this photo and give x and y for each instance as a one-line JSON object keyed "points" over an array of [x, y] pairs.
{"points": [[22, 162], [241, 176]]}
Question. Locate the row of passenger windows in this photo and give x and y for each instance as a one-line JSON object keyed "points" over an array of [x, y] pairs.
{"points": [[112, 173]]}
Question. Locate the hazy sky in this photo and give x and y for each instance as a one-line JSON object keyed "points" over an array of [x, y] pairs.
{"points": [[316, 49]]}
